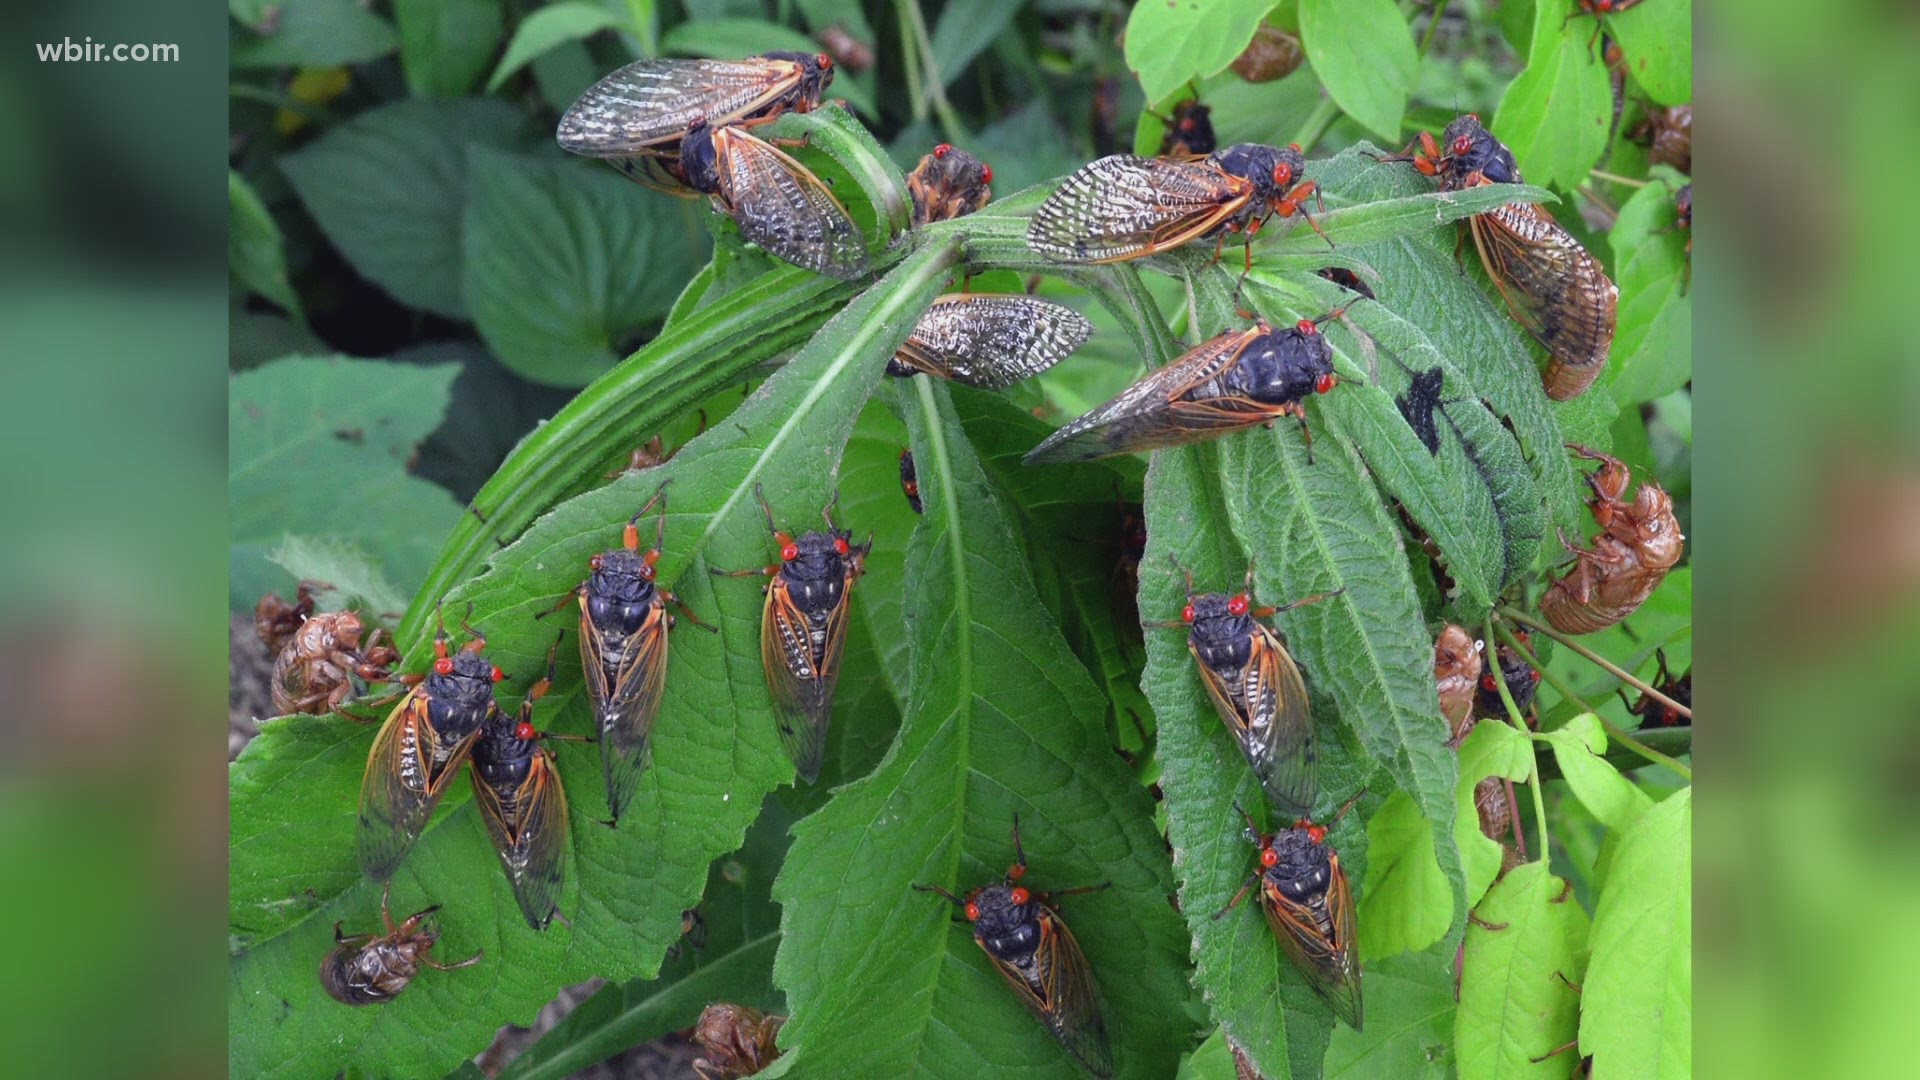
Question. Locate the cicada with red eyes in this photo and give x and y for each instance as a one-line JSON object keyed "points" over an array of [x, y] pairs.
{"points": [[637, 116], [910, 481], [1521, 679], [623, 650], [1028, 943], [420, 749], [736, 1041], [1228, 383], [517, 789], [1309, 906], [777, 202], [1678, 688], [989, 340], [1255, 687], [1554, 288], [1126, 207], [372, 969], [1189, 131], [947, 184], [803, 629]]}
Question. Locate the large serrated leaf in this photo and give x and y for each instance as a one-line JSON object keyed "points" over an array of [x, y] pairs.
{"points": [[1517, 997], [1001, 719], [1637, 1014]]}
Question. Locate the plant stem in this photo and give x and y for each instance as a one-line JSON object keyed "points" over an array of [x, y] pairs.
{"points": [[910, 56], [1317, 123], [1433, 24], [1520, 725], [934, 87], [1618, 179], [1611, 668], [1614, 733]]}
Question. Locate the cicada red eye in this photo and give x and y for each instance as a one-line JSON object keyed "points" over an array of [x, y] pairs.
{"points": [[443, 666], [1325, 383], [1282, 174], [789, 552], [840, 545], [1306, 327], [986, 174], [523, 731], [1534, 676], [1294, 146], [1316, 833], [826, 62], [1268, 856], [1462, 145], [1020, 896], [498, 674], [1237, 605], [941, 151], [1186, 614], [1488, 684], [593, 563], [973, 911]]}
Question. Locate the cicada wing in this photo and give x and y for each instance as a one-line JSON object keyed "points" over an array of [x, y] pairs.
{"points": [[1151, 414], [991, 340], [1318, 937], [1061, 994], [780, 205], [625, 682], [1123, 207], [1279, 740], [1553, 287], [657, 172], [800, 684], [650, 104], [528, 827], [408, 770]]}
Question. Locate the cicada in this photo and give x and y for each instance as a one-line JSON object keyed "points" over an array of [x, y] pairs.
{"points": [[947, 184], [315, 670], [1189, 131], [1255, 687], [1639, 542], [910, 481], [1309, 907], [1028, 943], [803, 630], [420, 749], [645, 110], [777, 202], [1456, 676], [517, 789], [1556, 290], [1521, 679], [989, 340], [1125, 207], [1230, 382], [1599, 9], [372, 969], [1668, 136], [1347, 280], [276, 621], [735, 1041], [1656, 713], [623, 650]]}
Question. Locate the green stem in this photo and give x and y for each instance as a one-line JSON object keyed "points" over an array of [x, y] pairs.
{"points": [[1611, 668], [1316, 124], [1614, 733], [1618, 179], [1433, 24], [1520, 725], [935, 88], [910, 56]]}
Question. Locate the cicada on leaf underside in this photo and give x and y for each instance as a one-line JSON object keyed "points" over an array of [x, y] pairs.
{"points": [[372, 969], [1189, 131], [644, 110], [777, 202], [420, 749], [989, 340], [1029, 945], [947, 184], [1228, 383], [910, 481], [803, 630], [1309, 907], [517, 789]]}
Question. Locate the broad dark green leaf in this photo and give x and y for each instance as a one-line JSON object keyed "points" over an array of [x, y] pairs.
{"points": [[1636, 1017], [1522, 962], [1653, 349], [319, 447], [965, 29], [389, 187], [313, 33], [563, 262], [255, 255], [1409, 1033], [1169, 43], [543, 30], [446, 45], [1363, 52], [1002, 719], [1657, 38], [1556, 115]]}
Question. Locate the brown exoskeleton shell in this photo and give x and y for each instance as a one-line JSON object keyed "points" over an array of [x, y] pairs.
{"points": [[277, 621], [737, 1041], [1638, 543], [1456, 671], [372, 969], [315, 669]]}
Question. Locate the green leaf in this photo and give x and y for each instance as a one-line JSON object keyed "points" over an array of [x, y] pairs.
{"points": [[1383, 219], [1409, 1033], [1168, 43], [1001, 719], [1555, 116], [870, 493], [1578, 748], [313, 33], [715, 753], [1522, 962], [732, 38], [547, 28], [1657, 38], [563, 262], [1213, 1060], [446, 45], [1363, 51], [1652, 352], [1490, 749], [1405, 904], [303, 426], [255, 255], [1637, 1014], [388, 188], [965, 29], [356, 578]]}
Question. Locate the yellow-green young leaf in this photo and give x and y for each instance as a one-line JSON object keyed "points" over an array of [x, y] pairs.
{"points": [[1517, 998], [548, 28], [1637, 1004], [1578, 748], [1363, 52], [1657, 38], [1212, 1060], [1653, 348], [1491, 749], [446, 45], [1409, 1032], [254, 251], [1555, 116], [1405, 905], [1171, 41]]}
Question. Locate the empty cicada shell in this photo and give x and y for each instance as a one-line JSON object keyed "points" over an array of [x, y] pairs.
{"points": [[989, 340], [947, 184], [735, 1041], [1272, 54], [1639, 542], [315, 670], [1668, 136], [1456, 673], [372, 969]]}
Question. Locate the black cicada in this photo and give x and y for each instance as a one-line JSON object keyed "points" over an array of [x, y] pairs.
{"points": [[910, 481], [1189, 131], [1553, 287], [1521, 679], [517, 789], [989, 340], [1230, 382], [1309, 907], [372, 969], [803, 629], [623, 650], [777, 202], [1655, 713], [646, 108], [1347, 280], [1256, 688], [1029, 945], [420, 749], [1126, 207], [947, 184]]}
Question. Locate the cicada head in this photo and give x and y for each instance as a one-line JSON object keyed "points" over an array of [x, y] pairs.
{"points": [[1521, 679], [1273, 170], [1467, 148], [814, 568], [816, 74], [1297, 862], [1220, 630], [1006, 921], [461, 684], [697, 159], [622, 577]]}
